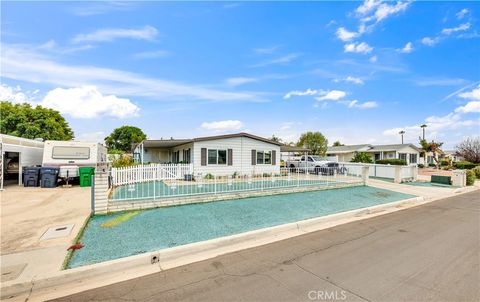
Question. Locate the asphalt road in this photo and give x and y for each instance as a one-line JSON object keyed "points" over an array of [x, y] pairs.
{"points": [[426, 253]]}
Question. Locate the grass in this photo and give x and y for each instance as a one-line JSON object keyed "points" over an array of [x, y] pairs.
{"points": [[119, 219]]}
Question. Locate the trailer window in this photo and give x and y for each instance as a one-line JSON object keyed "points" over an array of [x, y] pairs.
{"points": [[66, 152]]}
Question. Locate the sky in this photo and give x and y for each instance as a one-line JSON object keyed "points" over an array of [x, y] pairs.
{"points": [[359, 72]]}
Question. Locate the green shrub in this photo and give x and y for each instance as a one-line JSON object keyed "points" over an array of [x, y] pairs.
{"points": [[476, 170], [421, 166], [470, 177], [209, 176], [445, 162], [464, 165], [123, 161], [362, 157], [392, 161], [431, 165]]}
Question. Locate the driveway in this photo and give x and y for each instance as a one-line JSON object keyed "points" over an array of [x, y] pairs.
{"points": [[426, 253]]}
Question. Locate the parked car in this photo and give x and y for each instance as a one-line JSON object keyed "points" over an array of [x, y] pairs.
{"points": [[314, 164]]}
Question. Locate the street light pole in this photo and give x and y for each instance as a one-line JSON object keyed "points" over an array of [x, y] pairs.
{"points": [[423, 130], [402, 133]]}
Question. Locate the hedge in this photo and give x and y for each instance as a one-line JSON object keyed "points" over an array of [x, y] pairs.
{"points": [[476, 170], [464, 165], [393, 161], [470, 177]]}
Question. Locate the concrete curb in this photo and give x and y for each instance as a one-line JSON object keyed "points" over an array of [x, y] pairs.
{"points": [[93, 276]]}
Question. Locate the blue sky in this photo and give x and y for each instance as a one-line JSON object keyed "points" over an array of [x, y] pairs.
{"points": [[359, 72]]}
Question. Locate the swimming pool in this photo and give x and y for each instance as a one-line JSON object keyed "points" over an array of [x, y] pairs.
{"points": [[155, 229]]}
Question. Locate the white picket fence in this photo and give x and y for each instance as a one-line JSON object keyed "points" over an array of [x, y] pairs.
{"points": [[152, 172]]}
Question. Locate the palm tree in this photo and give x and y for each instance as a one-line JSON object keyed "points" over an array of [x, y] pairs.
{"points": [[423, 130], [402, 133]]}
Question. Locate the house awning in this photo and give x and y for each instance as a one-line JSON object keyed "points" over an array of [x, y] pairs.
{"points": [[286, 148], [165, 143]]}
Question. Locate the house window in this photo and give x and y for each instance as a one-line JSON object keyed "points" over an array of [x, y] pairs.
{"points": [[402, 156], [176, 157], [186, 156], [264, 157], [217, 157], [413, 158]]}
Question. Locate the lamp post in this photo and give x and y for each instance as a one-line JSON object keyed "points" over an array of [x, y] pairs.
{"points": [[402, 133], [423, 130]]}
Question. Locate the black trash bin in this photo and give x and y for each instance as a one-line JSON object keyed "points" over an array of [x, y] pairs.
{"points": [[31, 176], [48, 177]]}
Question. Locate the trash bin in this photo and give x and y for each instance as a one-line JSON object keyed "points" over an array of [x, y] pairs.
{"points": [[86, 176], [31, 176], [48, 177]]}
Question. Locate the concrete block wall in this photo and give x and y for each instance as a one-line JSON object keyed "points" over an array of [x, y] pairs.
{"points": [[100, 194], [459, 178]]}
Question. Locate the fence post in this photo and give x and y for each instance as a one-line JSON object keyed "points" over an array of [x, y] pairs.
{"points": [[398, 174], [365, 174], [100, 194], [414, 172]]}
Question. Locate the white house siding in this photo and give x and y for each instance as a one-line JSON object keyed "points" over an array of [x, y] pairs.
{"points": [[241, 154], [345, 157]]}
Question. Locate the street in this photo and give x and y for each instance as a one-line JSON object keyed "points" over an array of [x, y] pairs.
{"points": [[426, 253]]}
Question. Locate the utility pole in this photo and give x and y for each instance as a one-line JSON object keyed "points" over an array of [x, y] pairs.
{"points": [[423, 129], [402, 133]]}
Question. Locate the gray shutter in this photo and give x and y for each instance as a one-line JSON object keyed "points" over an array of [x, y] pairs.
{"points": [[203, 157], [274, 157], [254, 157], [229, 157]]}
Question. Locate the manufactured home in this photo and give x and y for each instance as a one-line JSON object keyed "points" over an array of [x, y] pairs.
{"points": [[408, 152], [242, 153], [18, 152], [73, 153]]}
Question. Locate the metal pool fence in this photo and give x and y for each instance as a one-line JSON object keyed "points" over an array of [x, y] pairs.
{"points": [[157, 188]]}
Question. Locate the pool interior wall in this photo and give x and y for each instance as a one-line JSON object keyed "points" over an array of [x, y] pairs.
{"points": [[161, 228]]}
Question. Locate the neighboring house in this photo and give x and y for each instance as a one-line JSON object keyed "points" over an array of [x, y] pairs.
{"points": [[220, 155], [408, 152], [452, 155]]}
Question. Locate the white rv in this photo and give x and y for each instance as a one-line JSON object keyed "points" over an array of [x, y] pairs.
{"points": [[69, 155]]}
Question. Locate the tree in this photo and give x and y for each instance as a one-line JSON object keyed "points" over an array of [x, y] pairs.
{"points": [[469, 149], [337, 144], [433, 147], [362, 157], [23, 120], [275, 138], [314, 141], [124, 137]]}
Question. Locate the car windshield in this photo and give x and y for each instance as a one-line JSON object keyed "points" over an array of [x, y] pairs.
{"points": [[316, 158]]}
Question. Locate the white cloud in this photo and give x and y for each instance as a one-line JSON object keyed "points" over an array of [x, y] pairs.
{"points": [[24, 64], [408, 48], [97, 137], [300, 93], [280, 60], [236, 81], [362, 47], [367, 6], [332, 95], [151, 54], [440, 81], [365, 105], [111, 34], [345, 35], [373, 59], [471, 95], [384, 10], [266, 50], [461, 27], [223, 125], [14, 95], [470, 107], [88, 102], [462, 13], [350, 79], [430, 41]]}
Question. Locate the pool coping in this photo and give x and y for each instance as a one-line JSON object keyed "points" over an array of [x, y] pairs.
{"points": [[87, 277]]}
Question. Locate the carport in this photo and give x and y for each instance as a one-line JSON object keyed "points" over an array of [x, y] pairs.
{"points": [[17, 152]]}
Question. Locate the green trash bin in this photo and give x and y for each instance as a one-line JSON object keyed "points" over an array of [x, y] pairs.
{"points": [[86, 176]]}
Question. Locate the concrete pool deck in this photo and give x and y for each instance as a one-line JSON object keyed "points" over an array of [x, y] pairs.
{"points": [[47, 285]]}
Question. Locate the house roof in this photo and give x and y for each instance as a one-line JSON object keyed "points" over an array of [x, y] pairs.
{"points": [[287, 148], [170, 143], [347, 149], [369, 148]]}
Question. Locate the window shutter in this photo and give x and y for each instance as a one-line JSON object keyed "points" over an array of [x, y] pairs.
{"points": [[274, 157], [203, 157], [229, 157], [254, 157]]}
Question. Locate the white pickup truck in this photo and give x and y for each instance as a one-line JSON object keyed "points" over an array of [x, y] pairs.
{"points": [[313, 164]]}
